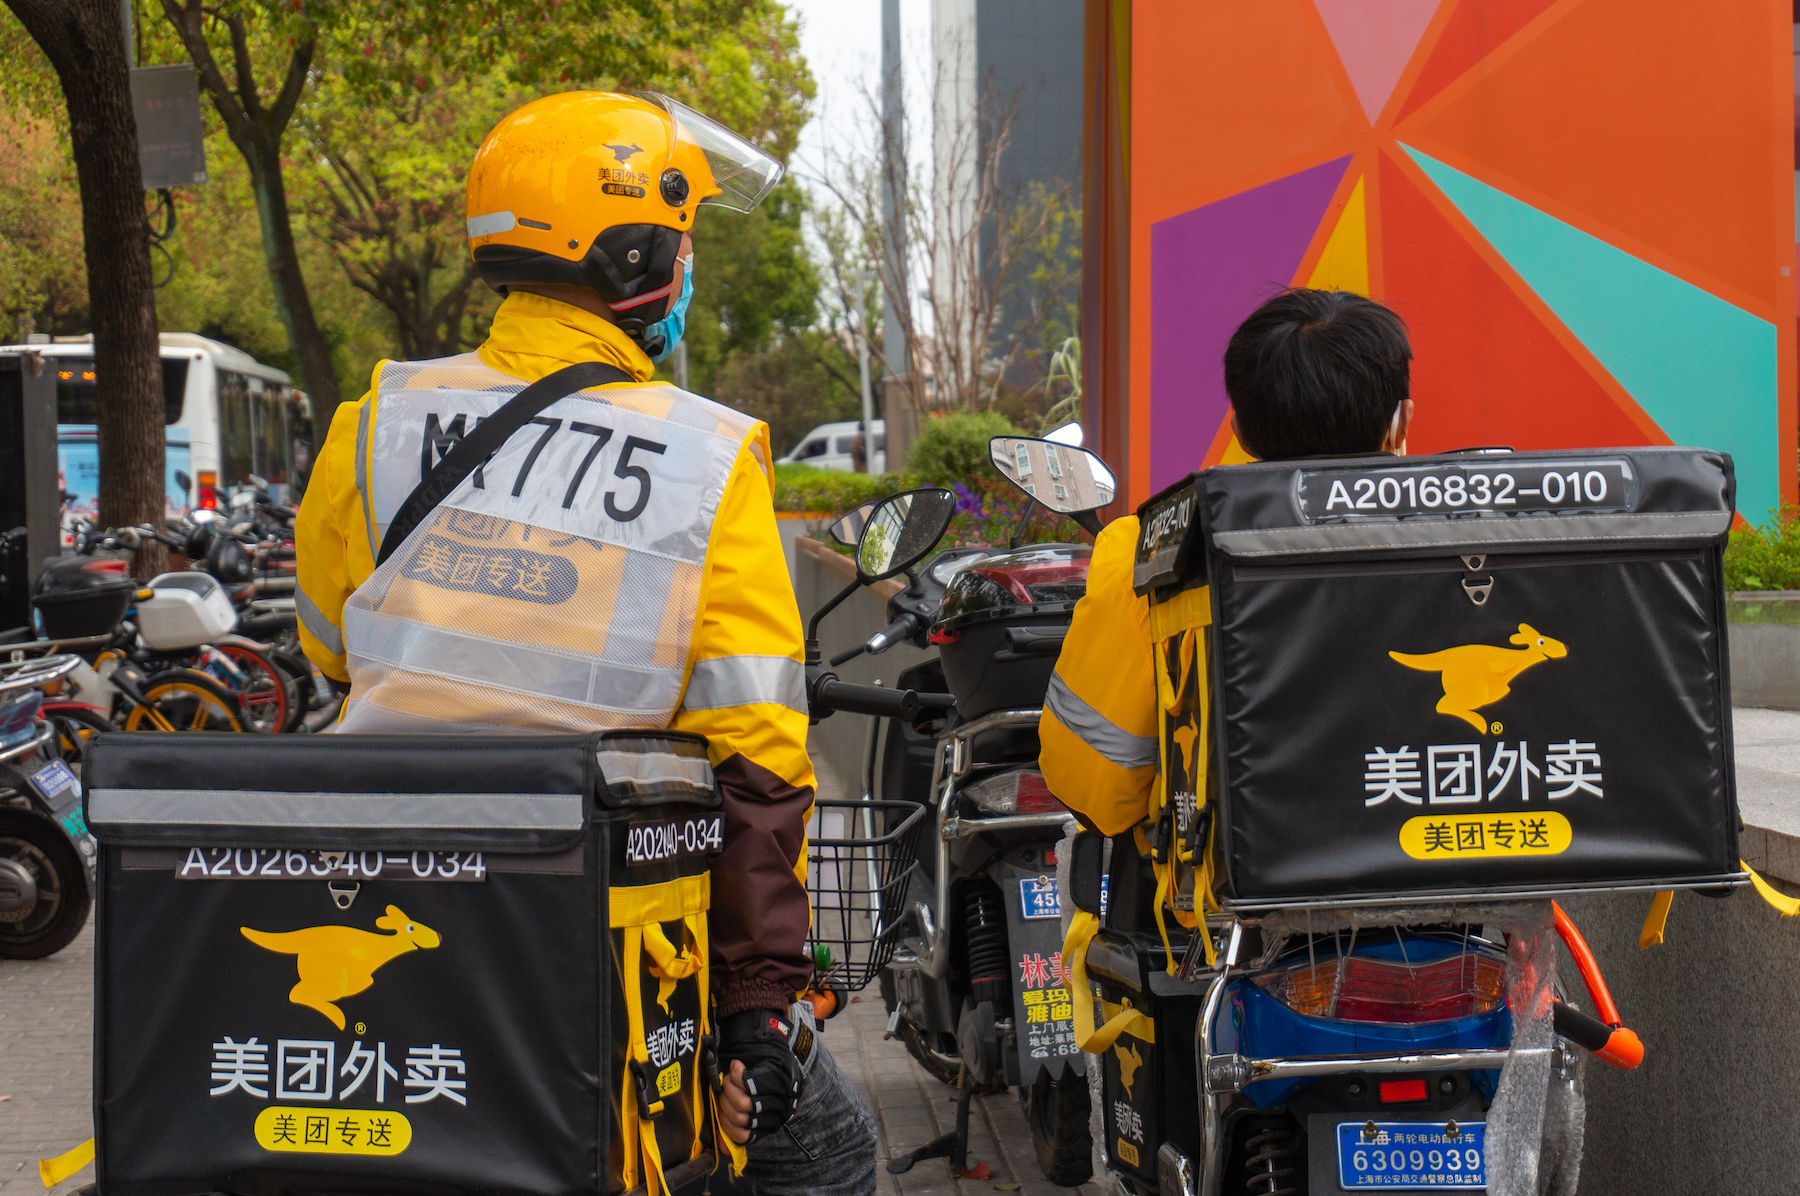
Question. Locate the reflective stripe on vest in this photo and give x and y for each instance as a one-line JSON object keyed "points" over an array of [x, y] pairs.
{"points": [[1096, 730], [558, 586]]}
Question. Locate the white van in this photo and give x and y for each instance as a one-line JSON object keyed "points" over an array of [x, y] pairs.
{"points": [[228, 416], [828, 447]]}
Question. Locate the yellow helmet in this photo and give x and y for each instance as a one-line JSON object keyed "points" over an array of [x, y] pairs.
{"points": [[594, 189]]}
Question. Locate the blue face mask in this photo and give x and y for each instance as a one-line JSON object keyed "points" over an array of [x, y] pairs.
{"points": [[671, 326]]}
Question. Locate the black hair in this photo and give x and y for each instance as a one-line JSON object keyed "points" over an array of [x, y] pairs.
{"points": [[1314, 373]]}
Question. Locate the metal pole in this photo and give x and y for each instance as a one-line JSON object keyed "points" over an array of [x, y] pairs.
{"points": [[125, 23], [893, 181], [862, 363], [681, 378]]}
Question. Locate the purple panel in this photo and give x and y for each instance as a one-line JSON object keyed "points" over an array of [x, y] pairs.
{"points": [[1209, 268]]}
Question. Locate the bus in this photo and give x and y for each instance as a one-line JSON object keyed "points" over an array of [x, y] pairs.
{"points": [[228, 417]]}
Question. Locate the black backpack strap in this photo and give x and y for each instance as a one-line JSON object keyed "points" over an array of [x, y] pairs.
{"points": [[486, 439]]}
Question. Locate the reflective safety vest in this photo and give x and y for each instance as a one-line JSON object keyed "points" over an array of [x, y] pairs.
{"points": [[557, 588]]}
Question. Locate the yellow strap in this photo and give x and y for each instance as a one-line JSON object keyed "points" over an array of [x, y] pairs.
{"points": [[1081, 932], [1188, 609], [696, 924], [54, 1171], [669, 901], [1655, 920], [1788, 906], [671, 965]]}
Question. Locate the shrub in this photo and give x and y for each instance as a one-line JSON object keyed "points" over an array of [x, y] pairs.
{"points": [[1767, 558], [831, 491], [954, 448]]}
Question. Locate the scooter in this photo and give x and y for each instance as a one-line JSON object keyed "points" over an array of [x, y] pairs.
{"points": [[1351, 1055], [47, 856], [975, 986]]}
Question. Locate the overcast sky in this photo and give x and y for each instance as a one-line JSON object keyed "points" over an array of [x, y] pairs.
{"points": [[842, 43]]}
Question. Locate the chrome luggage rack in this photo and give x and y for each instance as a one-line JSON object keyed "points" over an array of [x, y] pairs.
{"points": [[952, 762]]}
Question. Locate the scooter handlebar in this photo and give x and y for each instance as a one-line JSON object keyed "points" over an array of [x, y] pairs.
{"points": [[827, 694]]}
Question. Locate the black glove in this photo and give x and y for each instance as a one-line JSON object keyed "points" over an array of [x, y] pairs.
{"points": [[763, 1040]]}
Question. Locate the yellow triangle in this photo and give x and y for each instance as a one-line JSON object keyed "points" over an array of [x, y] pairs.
{"points": [[1344, 266]]}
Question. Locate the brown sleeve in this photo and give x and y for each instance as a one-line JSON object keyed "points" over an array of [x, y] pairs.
{"points": [[760, 916]]}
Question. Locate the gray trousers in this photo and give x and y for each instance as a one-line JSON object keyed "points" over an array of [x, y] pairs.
{"points": [[827, 1148]]}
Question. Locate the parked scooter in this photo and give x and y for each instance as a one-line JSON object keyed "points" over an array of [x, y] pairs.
{"points": [[47, 856], [975, 986]]}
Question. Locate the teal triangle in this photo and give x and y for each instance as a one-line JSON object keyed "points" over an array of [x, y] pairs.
{"points": [[1705, 370]]}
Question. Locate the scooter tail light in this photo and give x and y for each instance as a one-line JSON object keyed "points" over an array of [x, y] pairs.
{"points": [[209, 490], [1360, 988], [1021, 791]]}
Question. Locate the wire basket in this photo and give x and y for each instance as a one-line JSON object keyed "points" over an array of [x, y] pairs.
{"points": [[860, 855]]}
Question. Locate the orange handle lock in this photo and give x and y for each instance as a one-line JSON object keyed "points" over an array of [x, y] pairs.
{"points": [[1620, 1046], [823, 1000]]}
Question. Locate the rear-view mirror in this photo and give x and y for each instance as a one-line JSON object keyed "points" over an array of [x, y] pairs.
{"points": [[848, 528], [1063, 478], [901, 530]]}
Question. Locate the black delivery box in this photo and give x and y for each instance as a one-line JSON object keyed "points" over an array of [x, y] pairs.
{"points": [[336, 964], [1466, 674]]}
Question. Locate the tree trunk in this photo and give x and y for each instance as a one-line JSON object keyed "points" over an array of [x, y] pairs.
{"points": [[256, 124], [84, 42], [291, 299]]}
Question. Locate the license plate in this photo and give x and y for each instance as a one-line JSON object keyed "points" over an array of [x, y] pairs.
{"points": [[1411, 1154], [54, 780], [1039, 898]]}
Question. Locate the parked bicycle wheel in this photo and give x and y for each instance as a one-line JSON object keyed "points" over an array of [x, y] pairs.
{"points": [[299, 671], [185, 700], [266, 695], [76, 725]]}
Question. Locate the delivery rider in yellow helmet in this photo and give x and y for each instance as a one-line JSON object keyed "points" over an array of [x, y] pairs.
{"points": [[615, 564]]}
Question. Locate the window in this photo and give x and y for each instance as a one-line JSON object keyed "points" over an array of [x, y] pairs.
{"points": [[237, 433], [1053, 461], [75, 402], [300, 434], [271, 434], [843, 445], [881, 442], [1062, 491], [812, 448], [1022, 460]]}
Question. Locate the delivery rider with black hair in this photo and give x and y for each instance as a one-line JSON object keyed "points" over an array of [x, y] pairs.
{"points": [[1309, 373], [618, 566]]}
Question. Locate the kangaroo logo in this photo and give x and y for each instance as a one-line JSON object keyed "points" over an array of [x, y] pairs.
{"points": [[1477, 675], [340, 961], [1129, 1062], [624, 153]]}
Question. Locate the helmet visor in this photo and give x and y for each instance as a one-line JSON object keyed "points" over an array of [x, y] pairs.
{"points": [[743, 173]]}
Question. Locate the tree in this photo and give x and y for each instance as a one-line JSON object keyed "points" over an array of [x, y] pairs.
{"points": [[257, 122], [420, 45], [43, 282], [85, 43], [966, 235]]}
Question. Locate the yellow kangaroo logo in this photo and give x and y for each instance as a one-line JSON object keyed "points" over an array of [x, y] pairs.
{"points": [[340, 961], [1129, 1062], [1477, 675]]}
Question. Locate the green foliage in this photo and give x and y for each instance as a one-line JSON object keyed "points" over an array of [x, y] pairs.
{"points": [[1767, 558], [801, 381], [954, 448], [43, 274], [753, 279], [831, 492]]}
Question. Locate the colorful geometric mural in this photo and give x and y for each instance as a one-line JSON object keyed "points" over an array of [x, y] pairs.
{"points": [[1583, 209]]}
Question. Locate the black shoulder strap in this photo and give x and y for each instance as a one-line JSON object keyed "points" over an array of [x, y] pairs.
{"points": [[486, 439]]}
